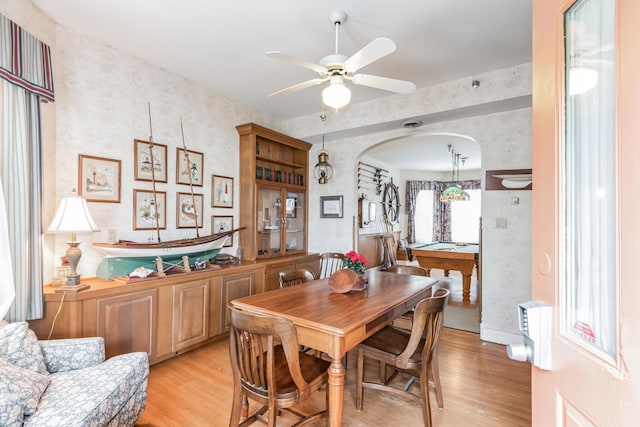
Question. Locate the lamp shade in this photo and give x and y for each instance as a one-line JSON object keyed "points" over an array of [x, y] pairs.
{"points": [[336, 95], [73, 216]]}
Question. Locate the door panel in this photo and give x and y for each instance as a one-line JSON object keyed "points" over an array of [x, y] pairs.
{"points": [[585, 386]]}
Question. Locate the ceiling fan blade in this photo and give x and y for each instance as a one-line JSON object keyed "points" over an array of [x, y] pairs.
{"points": [[392, 85], [372, 52], [296, 87], [301, 62]]}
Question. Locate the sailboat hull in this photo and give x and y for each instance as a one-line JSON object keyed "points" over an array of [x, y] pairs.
{"points": [[111, 267]]}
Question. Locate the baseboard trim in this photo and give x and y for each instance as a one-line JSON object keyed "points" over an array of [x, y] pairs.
{"points": [[499, 337]]}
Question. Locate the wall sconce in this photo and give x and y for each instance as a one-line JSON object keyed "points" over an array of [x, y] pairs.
{"points": [[323, 170]]}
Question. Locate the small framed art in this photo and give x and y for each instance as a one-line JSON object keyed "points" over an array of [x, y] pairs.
{"points": [[188, 208], [149, 210], [220, 224], [189, 167], [150, 160], [330, 206], [221, 191], [99, 179]]}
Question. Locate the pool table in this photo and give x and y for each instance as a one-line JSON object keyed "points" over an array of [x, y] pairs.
{"points": [[449, 256]]}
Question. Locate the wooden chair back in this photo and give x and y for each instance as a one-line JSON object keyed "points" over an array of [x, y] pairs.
{"points": [[295, 277], [268, 367], [407, 269], [330, 262], [427, 323]]}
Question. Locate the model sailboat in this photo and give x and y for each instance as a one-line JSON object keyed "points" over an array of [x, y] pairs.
{"points": [[123, 257]]}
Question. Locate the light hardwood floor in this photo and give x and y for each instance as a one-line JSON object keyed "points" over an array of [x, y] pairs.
{"points": [[481, 387]]}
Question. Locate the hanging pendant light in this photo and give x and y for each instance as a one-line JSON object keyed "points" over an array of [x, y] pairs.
{"points": [[323, 170], [454, 192]]}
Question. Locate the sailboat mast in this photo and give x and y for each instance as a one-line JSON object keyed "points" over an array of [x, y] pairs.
{"points": [[193, 197], [153, 176]]}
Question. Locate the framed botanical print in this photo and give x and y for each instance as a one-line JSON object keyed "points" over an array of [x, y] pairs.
{"points": [[189, 167], [220, 224], [149, 210], [221, 191], [150, 160], [188, 208], [99, 179]]}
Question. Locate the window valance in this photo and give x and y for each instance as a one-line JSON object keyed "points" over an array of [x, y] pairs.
{"points": [[24, 60]]}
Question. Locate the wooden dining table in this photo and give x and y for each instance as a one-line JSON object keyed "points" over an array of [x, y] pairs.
{"points": [[334, 323]]}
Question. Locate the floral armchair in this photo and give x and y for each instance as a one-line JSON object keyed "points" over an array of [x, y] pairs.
{"points": [[67, 382]]}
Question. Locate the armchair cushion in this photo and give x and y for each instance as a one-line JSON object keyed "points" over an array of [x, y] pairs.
{"points": [[105, 393], [69, 354], [21, 390], [19, 345]]}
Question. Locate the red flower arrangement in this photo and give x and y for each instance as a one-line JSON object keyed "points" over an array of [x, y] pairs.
{"points": [[353, 261]]}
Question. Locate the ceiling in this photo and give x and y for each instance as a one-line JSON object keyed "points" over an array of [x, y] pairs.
{"points": [[222, 44]]}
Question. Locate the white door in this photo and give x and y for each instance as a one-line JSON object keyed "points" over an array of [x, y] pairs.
{"points": [[586, 209]]}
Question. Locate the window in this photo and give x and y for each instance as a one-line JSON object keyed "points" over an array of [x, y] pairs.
{"points": [[424, 216], [465, 218]]}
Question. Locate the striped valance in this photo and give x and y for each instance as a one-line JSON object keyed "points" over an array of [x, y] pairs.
{"points": [[24, 60]]}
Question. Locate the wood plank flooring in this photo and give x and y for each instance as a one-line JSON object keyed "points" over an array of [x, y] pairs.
{"points": [[481, 387]]}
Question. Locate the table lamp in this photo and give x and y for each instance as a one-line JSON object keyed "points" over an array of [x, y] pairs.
{"points": [[73, 217]]}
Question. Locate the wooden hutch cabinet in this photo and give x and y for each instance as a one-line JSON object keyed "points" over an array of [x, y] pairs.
{"points": [[273, 192]]}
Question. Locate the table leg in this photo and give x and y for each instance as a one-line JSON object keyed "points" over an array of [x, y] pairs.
{"points": [[466, 286], [336, 391]]}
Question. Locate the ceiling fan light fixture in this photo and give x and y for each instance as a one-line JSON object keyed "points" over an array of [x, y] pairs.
{"points": [[336, 95]]}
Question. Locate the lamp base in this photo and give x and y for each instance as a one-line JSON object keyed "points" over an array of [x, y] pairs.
{"points": [[72, 288]]}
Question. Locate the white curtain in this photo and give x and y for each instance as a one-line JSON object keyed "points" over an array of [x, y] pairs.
{"points": [[21, 176], [589, 290], [7, 292]]}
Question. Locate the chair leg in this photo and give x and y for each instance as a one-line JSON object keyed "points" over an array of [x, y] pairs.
{"points": [[435, 372], [359, 379], [424, 389], [236, 406], [271, 416]]}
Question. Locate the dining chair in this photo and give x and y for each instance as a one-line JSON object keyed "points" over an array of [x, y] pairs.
{"points": [[405, 321], [330, 262], [295, 277], [268, 368], [409, 353]]}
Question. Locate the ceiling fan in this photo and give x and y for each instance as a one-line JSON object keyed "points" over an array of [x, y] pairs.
{"points": [[336, 68]]}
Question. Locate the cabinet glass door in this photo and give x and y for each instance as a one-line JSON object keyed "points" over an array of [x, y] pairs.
{"points": [[269, 221], [294, 221]]}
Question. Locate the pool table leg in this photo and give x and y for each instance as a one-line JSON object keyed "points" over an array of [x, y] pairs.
{"points": [[466, 286]]}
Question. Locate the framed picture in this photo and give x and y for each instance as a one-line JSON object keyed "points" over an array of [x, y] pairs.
{"points": [[186, 212], [150, 160], [99, 179], [220, 224], [330, 206], [147, 210], [189, 167], [221, 191]]}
